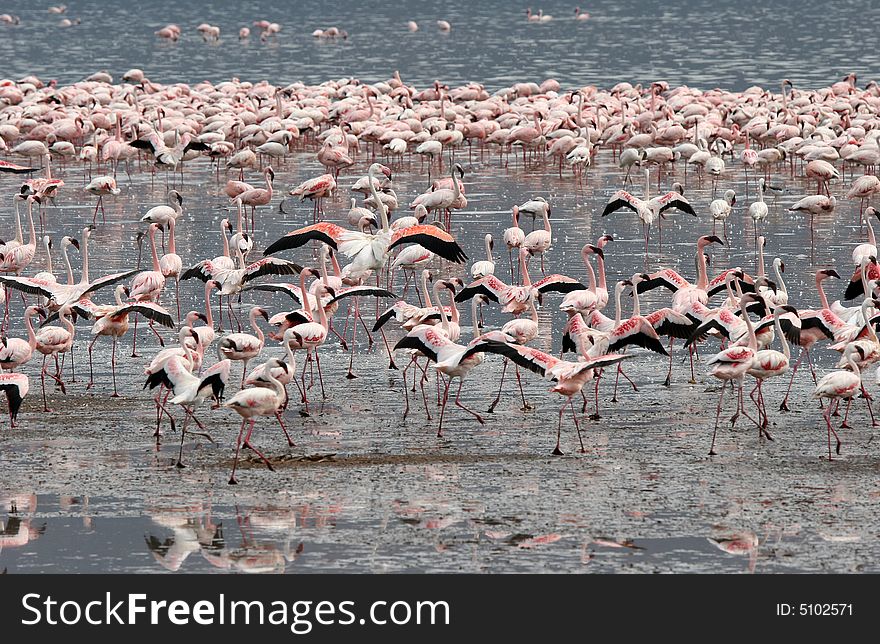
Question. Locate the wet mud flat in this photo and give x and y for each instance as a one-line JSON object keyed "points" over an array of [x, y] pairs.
{"points": [[364, 490]]}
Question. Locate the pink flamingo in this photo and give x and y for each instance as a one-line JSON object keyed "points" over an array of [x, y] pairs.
{"points": [[253, 402]]}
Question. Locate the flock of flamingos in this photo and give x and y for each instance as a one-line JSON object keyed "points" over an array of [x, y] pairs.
{"points": [[391, 266]]}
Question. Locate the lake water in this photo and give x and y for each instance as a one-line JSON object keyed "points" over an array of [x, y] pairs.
{"points": [[85, 489]]}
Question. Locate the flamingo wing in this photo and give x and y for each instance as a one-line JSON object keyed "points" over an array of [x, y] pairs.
{"points": [[489, 286], [527, 357], [670, 323], [637, 332], [323, 232], [27, 285], [558, 284], [357, 291], [291, 290], [14, 168], [270, 266], [435, 240], [855, 288], [620, 199], [149, 310], [673, 199], [666, 278], [108, 280]]}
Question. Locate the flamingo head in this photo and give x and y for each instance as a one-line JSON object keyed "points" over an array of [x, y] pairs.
{"points": [[589, 249], [705, 240]]}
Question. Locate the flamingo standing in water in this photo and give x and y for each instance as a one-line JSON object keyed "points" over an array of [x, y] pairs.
{"points": [[101, 186], [253, 402], [258, 196], [50, 341], [244, 346], [513, 239], [732, 364], [170, 263], [147, 286], [840, 385]]}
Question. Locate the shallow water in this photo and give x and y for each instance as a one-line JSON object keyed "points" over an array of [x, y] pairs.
{"points": [[85, 488], [697, 42]]}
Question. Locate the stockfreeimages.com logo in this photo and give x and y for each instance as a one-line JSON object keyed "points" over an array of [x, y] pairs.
{"points": [[299, 616]]}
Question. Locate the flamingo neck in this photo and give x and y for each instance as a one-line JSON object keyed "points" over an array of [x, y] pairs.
{"points": [[225, 237], [65, 322], [208, 313], [33, 236], [379, 204], [702, 278], [32, 336], [307, 303], [601, 263], [637, 309], [443, 316], [67, 263], [156, 266], [85, 255], [761, 270], [18, 233], [617, 292], [489, 250], [753, 340], [171, 247], [337, 270], [871, 331], [48, 257], [425, 291], [779, 281], [786, 350], [822, 299], [256, 327], [871, 238], [591, 275], [527, 281], [854, 365]]}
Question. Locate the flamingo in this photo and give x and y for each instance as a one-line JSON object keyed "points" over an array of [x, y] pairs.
{"points": [[252, 402], [484, 267], [513, 238], [720, 210], [258, 196], [147, 286], [538, 242], [243, 346], [51, 341], [569, 376], [731, 365], [101, 186], [840, 385], [171, 265]]}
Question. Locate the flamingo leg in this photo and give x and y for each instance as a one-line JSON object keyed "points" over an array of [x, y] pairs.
{"points": [[583, 450], [442, 408], [232, 479], [556, 450], [501, 384], [247, 443], [717, 416], [459, 404]]}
